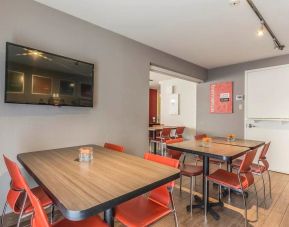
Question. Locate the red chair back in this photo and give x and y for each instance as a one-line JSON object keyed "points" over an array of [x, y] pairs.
{"points": [[200, 136], [173, 153], [245, 167], [180, 132], [262, 157], [114, 147], [161, 194], [17, 186], [165, 133]]}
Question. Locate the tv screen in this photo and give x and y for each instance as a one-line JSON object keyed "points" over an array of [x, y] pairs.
{"points": [[37, 77]]}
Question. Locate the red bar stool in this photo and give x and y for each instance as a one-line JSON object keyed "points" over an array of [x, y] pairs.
{"points": [[179, 132], [114, 147], [162, 139], [259, 169], [143, 211], [17, 190], [239, 182]]}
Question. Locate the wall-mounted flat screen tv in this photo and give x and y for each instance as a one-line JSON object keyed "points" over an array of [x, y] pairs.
{"points": [[37, 77]]}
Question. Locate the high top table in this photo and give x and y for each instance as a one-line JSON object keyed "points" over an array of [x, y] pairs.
{"points": [[252, 144], [218, 151], [81, 190]]}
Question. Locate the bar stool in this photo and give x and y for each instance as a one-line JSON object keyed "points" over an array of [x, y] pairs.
{"points": [[239, 182], [179, 132], [259, 169], [161, 140]]}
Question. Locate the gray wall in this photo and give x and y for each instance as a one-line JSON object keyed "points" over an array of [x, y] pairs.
{"points": [[120, 113], [222, 124]]}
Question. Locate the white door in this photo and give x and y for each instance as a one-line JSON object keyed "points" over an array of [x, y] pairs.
{"points": [[267, 112]]}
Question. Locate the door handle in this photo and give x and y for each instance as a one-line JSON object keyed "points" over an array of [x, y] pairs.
{"points": [[251, 126]]}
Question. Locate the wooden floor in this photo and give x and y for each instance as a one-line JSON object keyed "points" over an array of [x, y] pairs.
{"points": [[276, 213]]}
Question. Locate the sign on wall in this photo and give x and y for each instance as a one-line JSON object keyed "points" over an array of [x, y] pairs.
{"points": [[221, 97]]}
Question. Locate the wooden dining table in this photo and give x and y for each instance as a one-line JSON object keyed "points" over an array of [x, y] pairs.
{"points": [[81, 190], [252, 144], [223, 152]]}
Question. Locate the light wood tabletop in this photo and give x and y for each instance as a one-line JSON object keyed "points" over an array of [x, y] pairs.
{"points": [[81, 190], [219, 151], [239, 142]]}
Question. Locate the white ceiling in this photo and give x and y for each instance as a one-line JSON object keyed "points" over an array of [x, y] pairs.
{"points": [[210, 33]]}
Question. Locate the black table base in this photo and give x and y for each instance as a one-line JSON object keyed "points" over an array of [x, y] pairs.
{"points": [[201, 205]]}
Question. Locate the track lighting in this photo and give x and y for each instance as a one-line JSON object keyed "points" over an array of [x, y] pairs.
{"points": [[261, 30], [264, 24]]}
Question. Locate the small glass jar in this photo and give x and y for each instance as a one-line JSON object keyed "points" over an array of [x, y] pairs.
{"points": [[85, 154]]}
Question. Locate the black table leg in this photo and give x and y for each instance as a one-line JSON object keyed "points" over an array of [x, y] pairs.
{"points": [[154, 144], [109, 217], [201, 201]]}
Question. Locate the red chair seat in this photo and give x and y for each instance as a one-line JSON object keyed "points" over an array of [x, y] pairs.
{"points": [[140, 210], [229, 179], [191, 170], [93, 221], [45, 201]]}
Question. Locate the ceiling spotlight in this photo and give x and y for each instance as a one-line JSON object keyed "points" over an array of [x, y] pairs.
{"points": [[234, 2], [261, 30]]}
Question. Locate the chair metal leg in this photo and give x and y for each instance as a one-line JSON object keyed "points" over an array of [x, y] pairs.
{"points": [[269, 184], [220, 193], [264, 189], [257, 202], [191, 195], [245, 208], [3, 214], [173, 207], [52, 213], [22, 209], [181, 181]]}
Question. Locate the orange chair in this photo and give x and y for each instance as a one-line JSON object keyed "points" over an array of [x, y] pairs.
{"points": [[260, 168], [143, 211], [39, 218], [179, 132], [17, 196], [114, 147], [239, 182], [187, 170]]}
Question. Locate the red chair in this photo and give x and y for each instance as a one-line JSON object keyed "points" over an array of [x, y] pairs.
{"points": [[17, 196], [260, 168], [39, 218], [114, 147], [239, 182], [187, 170], [172, 153], [212, 160], [179, 132], [143, 211], [162, 139]]}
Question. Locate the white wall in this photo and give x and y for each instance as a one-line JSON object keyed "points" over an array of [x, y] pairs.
{"points": [[187, 105], [121, 85]]}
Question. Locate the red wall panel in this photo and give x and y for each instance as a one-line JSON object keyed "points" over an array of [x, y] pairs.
{"points": [[153, 104]]}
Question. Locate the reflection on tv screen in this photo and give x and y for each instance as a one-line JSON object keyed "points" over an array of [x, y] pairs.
{"points": [[37, 77]]}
